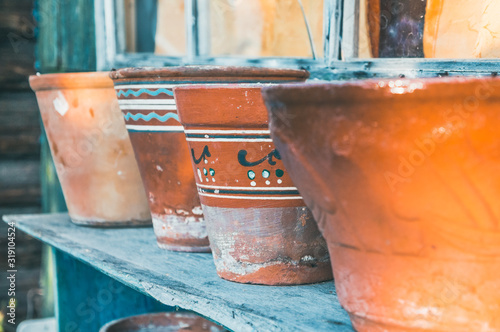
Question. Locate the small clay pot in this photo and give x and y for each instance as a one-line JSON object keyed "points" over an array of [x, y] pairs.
{"points": [[147, 102], [91, 149], [162, 322], [403, 179], [259, 228]]}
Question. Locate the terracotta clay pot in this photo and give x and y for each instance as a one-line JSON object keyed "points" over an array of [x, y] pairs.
{"points": [[164, 322], [146, 99], [259, 228], [402, 177], [91, 149]]}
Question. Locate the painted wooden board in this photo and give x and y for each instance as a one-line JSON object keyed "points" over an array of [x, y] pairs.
{"points": [[189, 280], [87, 299]]}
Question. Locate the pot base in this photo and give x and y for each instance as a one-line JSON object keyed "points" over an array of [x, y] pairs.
{"points": [[362, 324], [281, 274], [162, 245], [181, 233], [111, 224], [268, 246]]}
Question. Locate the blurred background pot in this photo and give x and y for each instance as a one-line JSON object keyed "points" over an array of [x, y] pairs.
{"points": [[147, 102], [259, 228], [91, 149], [164, 322], [402, 177]]}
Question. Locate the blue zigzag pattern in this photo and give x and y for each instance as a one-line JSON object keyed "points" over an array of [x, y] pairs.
{"points": [[141, 91], [152, 115]]}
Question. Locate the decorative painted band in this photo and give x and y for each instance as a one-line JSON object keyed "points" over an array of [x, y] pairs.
{"points": [[140, 128], [225, 136], [240, 167], [148, 117], [194, 135], [141, 91], [148, 104], [148, 107], [162, 101], [250, 191], [218, 131], [264, 198], [208, 139], [247, 188]]}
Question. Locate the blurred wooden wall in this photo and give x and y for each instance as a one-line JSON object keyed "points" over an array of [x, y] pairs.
{"points": [[19, 150]]}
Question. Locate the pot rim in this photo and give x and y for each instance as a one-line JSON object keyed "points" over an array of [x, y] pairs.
{"points": [[221, 86], [224, 72], [167, 316], [370, 90], [84, 80]]}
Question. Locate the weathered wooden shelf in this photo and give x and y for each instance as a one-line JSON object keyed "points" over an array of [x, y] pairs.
{"points": [[187, 280]]}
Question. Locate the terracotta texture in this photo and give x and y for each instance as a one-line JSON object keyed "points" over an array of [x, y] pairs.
{"points": [[147, 102], [402, 177], [259, 228], [91, 149], [162, 322]]}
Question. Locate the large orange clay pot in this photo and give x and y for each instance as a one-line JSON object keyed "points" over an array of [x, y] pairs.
{"points": [[147, 102], [403, 179], [259, 227], [91, 149]]}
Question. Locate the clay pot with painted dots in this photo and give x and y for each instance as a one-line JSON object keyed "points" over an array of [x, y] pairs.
{"points": [[259, 228], [147, 103]]}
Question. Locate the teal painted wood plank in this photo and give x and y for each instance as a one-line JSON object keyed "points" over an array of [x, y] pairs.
{"points": [[65, 36], [189, 280], [88, 299], [77, 29], [46, 50]]}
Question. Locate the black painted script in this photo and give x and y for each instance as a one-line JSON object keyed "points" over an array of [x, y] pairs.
{"points": [[242, 158], [203, 156]]}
